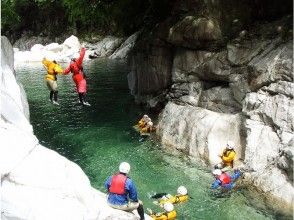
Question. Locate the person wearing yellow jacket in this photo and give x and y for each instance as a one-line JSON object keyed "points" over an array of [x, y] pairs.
{"points": [[169, 214], [181, 196], [142, 121], [51, 80], [228, 155]]}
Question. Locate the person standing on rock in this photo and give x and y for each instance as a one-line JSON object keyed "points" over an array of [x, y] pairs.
{"points": [[76, 68], [122, 192], [228, 156], [51, 80]]}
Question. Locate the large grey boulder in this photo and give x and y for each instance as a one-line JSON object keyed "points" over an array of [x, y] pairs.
{"points": [[198, 65], [199, 132], [107, 46], [123, 51], [36, 182], [270, 161], [276, 111], [150, 71], [219, 99], [196, 32], [251, 80], [273, 65], [186, 93]]}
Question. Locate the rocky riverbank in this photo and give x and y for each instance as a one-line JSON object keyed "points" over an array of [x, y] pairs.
{"points": [[34, 50], [36, 182], [219, 77]]}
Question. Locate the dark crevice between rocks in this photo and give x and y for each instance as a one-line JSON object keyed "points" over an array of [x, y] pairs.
{"points": [[210, 84]]}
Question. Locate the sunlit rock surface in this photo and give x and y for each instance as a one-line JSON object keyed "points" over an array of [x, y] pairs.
{"points": [[38, 183], [110, 46], [223, 83]]}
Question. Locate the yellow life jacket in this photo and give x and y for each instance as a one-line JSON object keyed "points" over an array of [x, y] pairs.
{"points": [[52, 69], [165, 216], [141, 123], [228, 157], [175, 199]]}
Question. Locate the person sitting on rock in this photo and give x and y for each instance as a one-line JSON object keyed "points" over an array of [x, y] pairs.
{"points": [[228, 155], [169, 214], [224, 180], [51, 80], [122, 192], [181, 196]]}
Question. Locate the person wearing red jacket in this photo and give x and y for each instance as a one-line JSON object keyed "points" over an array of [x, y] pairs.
{"points": [[78, 76]]}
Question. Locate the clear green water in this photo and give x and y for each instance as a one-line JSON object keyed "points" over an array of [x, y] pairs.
{"points": [[99, 137]]}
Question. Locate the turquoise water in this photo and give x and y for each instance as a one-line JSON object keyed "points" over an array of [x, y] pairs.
{"points": [[99, 137]]}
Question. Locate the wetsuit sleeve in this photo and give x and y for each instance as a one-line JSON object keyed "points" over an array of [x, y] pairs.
{"points": [[236, 175], [215, 184], [58, 69], [132, 190], [229, 158], [107, 183], [79, 61]]}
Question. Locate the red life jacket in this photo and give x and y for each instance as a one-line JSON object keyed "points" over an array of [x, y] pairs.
{"points": [[118, 183], [76, 70], [224, 178], [74, 67]]}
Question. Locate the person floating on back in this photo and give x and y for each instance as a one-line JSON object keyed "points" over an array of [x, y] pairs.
{"points": [[51, 80], [224, 180], [122, 192], [76, 68], [181, 196], [168, 214], [228, 156]]}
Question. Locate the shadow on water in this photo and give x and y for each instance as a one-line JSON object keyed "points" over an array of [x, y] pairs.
{"points": [[99, 137]]}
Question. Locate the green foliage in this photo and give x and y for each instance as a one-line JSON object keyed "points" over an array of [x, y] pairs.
{"points": [[104, 16], [9, 18]]}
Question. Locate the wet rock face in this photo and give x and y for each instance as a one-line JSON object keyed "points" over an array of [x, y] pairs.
{"points": [[150, 70], [226, 85], [196, 33]]}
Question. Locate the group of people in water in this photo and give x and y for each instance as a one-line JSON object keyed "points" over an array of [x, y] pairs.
{"points": [[122, 192], [145, 125], [78, 76], [122, 195]]}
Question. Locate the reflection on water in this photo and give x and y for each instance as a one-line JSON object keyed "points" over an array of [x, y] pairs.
{"points": [[99, 137]]}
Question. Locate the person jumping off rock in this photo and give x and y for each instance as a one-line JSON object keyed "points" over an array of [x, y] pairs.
{"points": [[78, 76], [51, 80]]}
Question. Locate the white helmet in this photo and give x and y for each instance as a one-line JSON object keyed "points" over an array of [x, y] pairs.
{"points": [[150, 123], [182, 190], [168, 207], [217, 172], [145, 116], [230, 145], [124, 167]]}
